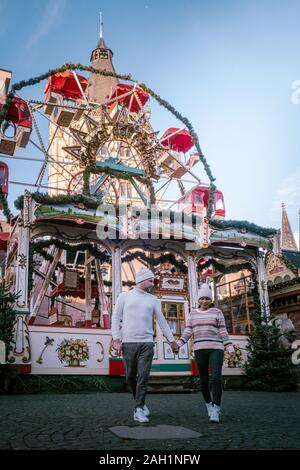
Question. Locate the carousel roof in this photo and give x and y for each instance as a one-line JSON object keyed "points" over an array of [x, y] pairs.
{"points": [[65, 84], [133, 97], [176, 139]]}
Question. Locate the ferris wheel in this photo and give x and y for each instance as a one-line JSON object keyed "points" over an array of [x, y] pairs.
{"points": [[109, 150]]}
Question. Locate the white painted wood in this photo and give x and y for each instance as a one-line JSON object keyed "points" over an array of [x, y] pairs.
{"points": [[88, 288], [22, 270], [98, 343]]}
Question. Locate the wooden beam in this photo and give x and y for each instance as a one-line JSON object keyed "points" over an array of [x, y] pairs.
{"points": [[38, 302], [89, 260]]}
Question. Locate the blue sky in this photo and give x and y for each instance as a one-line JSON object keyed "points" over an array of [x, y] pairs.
{"points": [[227, 65]]}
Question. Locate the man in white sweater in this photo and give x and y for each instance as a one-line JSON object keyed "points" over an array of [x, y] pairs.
{"points": [[132, 333]]}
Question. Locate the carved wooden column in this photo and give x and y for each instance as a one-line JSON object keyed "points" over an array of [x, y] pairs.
{"points": [[102, 298], [192, 281], [262, 282], [20, 354]]}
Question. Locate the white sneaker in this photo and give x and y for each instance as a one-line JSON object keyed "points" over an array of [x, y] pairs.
{"points": [[139, 416], [209, 408], [215, 414], [146, 410]]}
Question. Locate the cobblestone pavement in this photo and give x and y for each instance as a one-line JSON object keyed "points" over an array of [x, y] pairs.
{"points": [[250, 420]]}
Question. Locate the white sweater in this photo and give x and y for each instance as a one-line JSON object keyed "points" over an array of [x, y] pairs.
{"points": [[135, 309]]}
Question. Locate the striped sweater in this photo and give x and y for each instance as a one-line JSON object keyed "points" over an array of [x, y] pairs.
{"points": [[208, 330]]}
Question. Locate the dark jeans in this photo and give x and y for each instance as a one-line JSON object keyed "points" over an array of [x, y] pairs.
{"points": [[210, 359], [138, 359]]}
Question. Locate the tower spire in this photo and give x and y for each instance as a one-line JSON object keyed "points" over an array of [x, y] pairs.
{"points": [[101, 26], [287, 237], [100, 87]]}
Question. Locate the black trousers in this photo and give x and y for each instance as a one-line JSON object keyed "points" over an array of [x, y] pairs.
{"points": [[210, 359], [138, 359]]}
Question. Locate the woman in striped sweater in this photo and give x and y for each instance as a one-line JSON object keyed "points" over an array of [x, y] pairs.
{"points": [[206, 326]]}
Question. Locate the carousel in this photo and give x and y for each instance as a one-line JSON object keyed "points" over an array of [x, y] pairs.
{"points": [[109, 195]]}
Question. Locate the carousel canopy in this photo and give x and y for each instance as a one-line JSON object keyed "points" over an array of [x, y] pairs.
{"points": [[19, 113], [64, 84], [176, 139], [133, 97], [73, 292]]}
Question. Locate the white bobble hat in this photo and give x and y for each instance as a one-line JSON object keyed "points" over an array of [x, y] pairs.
{"points": [[204, 291], [143, 275]]}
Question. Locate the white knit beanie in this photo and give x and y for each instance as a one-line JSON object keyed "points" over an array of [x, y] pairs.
{"points": [[143, 275], [204, 291]]}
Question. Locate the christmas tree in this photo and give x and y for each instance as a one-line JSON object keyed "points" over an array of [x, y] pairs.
{"points": [[269, 366]]}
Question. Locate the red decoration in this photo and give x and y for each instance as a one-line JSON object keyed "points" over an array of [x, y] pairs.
{"points": [[19, 113], [197, 199], [195, 371], [133, 97], [179, 140], [64, 84], [4, 177], [116, 367]]}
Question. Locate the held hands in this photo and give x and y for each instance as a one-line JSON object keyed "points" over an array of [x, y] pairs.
{"points": [[175, 347], [117, 345]]}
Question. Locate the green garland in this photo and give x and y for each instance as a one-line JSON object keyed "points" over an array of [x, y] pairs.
{"points": [[242, 225], [180, 265], [86, 182], [282, 285], [43, 198], [163, 102], [73, 248], [225, 269], [38, 247], [47, 256], [5, 208]]}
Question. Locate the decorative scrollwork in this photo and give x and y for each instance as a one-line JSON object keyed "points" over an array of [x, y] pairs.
{"points": [[100, 359], [48, 342]]}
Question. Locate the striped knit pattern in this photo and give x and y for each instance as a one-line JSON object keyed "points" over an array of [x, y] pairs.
{"points": [[207, 328]]}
